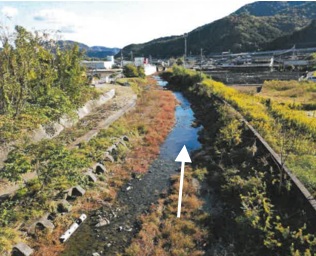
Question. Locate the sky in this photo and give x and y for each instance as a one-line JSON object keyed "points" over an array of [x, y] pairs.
{"points": [[114, 23]]}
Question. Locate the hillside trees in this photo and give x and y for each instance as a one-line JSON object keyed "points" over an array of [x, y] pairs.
{"points": [[35, 77]]}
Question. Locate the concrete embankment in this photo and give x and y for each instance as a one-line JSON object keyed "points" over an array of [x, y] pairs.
{"points": [[122, 103], [52, 130]]}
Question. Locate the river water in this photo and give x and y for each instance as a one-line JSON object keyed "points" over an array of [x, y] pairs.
{"points": [[136, 197]]}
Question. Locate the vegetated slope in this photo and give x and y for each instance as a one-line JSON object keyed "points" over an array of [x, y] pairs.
{"points": [[260, 211], [268, 8], [92, 52], [305, 37], [247, 29], [51, 83]]}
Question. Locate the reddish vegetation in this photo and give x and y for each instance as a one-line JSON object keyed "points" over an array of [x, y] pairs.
{"points": [[154, 117], [157, 128]]}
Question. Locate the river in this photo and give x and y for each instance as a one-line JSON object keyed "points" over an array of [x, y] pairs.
{"points": [[137, 195]]}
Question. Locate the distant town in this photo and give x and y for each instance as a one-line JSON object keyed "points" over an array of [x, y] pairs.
{"points": [[293, 63]]}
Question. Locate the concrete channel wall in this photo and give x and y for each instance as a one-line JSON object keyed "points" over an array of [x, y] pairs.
{"points": [[310, 200], [52, 130]]}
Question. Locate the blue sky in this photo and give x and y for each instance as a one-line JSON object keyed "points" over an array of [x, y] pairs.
{"points": [[115, 23]]}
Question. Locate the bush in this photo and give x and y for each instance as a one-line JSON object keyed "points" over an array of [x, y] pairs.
{"points": [[130, 70]]}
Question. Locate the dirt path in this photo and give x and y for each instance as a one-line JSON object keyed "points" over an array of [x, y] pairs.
{"points": [[99, 119]]}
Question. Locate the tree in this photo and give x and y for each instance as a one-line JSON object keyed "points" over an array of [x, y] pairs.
{"points": [[35, 73], [26, 71], [180, 61], [130, 70], [141, 72], [71, 77]]}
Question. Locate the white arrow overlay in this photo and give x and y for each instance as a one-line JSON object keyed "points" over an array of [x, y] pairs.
{"points": [[183, 157]]}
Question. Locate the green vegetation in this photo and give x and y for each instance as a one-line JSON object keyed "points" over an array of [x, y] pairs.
{"points": [[245, 30], [288, 129], [131, 70], [38, 83], [260, 212], [59, 168], [134, 83], [251, 189], [298, 95]]}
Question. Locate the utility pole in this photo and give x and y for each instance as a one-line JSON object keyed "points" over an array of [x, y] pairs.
{"points": [[185, 48], [121, 59], [201, 63], [131, 55]]}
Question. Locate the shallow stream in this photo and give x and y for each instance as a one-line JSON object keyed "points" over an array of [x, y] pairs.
{"points": [[137, 195]]}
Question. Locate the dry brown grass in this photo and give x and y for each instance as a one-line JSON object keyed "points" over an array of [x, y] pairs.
{"points": [[248, 89], [290, 91], [164, 234]]}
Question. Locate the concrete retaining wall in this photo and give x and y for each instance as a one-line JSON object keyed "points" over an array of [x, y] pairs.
{"points": [[52, 130], [277, 160]]}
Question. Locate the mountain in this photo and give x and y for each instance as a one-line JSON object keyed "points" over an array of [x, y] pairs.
{"points": [[101, 51], [268, 8], [68, 43], [92, 52], [303, 38], [250, 28]]}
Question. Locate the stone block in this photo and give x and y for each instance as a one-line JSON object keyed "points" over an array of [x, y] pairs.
{"points": [[99, 168], [22, 249]]}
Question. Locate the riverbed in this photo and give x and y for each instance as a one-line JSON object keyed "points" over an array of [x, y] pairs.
{"points": [[138, 194]]}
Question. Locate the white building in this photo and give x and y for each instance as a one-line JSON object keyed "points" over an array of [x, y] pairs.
{"points": [[108, 64], [148, 68], [140, 61]]}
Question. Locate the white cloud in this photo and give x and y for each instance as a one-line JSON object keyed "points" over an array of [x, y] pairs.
{"points": [[55, 16], [8, 11], [64, 21]]}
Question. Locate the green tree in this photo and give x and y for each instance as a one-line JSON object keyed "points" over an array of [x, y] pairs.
{"points": [[141, 72], [26, 71], [71, 78], [130, 70], [180, 61], [35, 74]]}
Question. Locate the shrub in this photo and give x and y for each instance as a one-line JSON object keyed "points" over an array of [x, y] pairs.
{"points": [[130, 70]]}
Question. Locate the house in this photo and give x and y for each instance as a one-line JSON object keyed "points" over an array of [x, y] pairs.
{"points": [[144, 62]]}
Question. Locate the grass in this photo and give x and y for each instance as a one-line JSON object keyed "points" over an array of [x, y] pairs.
{"points": [[164, 234], [19, 128], [137, 84], [283, 113], [146, 126], [290, 91]]}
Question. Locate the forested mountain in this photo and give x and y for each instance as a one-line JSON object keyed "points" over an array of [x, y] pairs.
{"points": [[268, 8], [303, 38], [250, 28], [92, 52]]}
